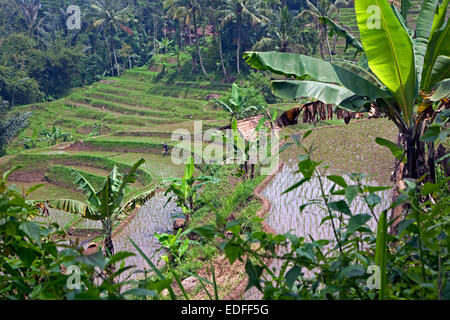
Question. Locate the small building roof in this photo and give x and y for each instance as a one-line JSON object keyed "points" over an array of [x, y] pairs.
{"points": [[246, 127]]}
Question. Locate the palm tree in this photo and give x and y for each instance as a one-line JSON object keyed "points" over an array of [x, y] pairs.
{"points": [[238, 11], [280, 31], [110, 19], [323, 8], [213, 12], [105, 205], [30, 10], [188, 9]]}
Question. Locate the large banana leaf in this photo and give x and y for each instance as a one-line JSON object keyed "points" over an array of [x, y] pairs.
{"points": [[423, 32], [381, 252], [137, 200], [325, 92], [115, 179], [73, 206], [389, 50], [436, 66], [303, 67], [87, 188], [106, 207]]}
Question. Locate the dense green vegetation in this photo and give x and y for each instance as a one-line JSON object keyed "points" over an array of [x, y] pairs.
{"points": [[103, 196], [42, 59]]}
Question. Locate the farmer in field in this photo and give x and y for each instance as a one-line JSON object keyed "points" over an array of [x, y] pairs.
{"points": [[165, 149]]}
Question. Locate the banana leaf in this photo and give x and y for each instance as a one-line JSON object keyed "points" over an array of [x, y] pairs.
{"points": [[301, 67], [389, 50]]}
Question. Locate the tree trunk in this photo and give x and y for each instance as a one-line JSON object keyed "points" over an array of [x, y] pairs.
{"points": [[115, 57], [154, 36], [219, 39], [325, 34], [108, 245], [245, 170], [197, 45], [335, 35], [238, 49], [109, 52], [252, 171], [322, 55]]}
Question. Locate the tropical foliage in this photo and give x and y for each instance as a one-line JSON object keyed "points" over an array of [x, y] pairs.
{"points": [[401, 75], [106, 205], [185, 189]]}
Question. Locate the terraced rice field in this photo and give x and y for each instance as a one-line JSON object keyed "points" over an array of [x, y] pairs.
{"points": [[137, 115]]}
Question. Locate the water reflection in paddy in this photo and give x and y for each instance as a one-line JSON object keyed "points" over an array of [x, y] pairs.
{"points": [[150, 218], [285, 215]]}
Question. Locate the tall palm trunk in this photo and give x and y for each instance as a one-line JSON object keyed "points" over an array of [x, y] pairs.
{"points": [[109, 52], [325, 34], [238, 49], [196, 43], [155, 30], [181, 24], [115, 56], [219, 39], [322, 54], [415, 167]]}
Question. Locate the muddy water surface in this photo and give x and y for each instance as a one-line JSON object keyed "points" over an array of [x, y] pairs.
{"points": [[285, 216]]}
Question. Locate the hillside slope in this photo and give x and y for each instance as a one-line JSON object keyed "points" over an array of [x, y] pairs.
{"points": [[115, 121]]}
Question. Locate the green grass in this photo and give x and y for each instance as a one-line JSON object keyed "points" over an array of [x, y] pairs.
{"points": [[231, 196]]}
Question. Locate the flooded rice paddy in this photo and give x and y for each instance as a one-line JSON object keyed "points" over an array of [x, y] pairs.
{"points": [[285, 216], [150, 218]]}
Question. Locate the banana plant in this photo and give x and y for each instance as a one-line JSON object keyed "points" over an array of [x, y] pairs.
{"points": [[53, 136], [175, 246], [31, 142], [185, 189], [401, 78], [237, 104], [105, 205]]}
